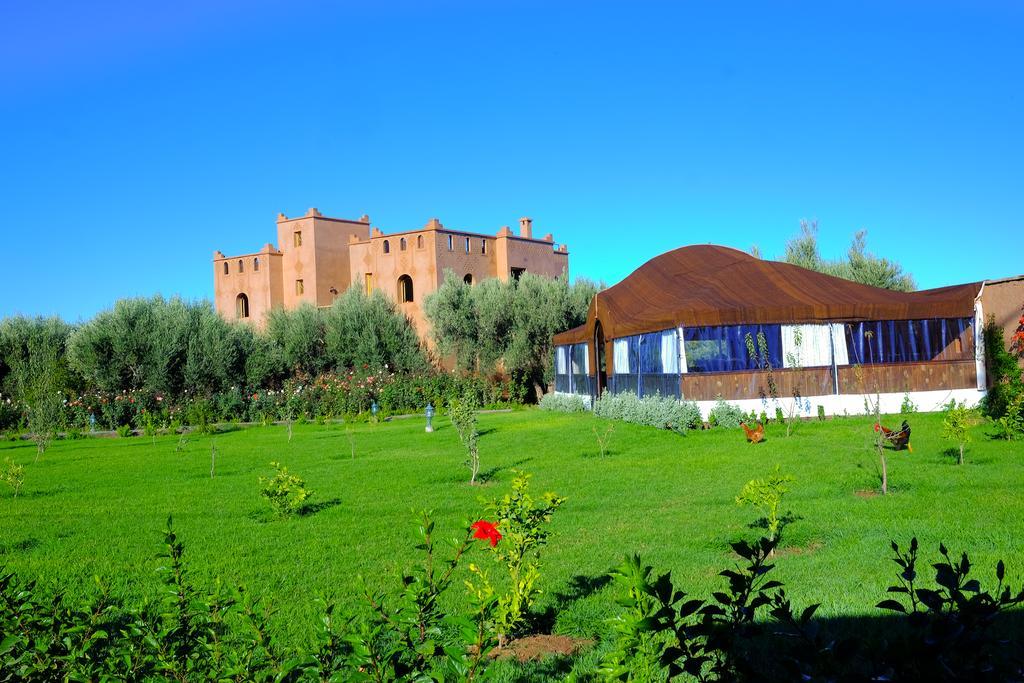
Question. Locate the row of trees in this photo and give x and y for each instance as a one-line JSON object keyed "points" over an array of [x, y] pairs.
{"points": [[860, 265], [507, 325], [177, 349]]}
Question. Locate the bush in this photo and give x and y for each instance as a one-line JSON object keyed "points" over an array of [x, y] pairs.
{"points": [[726, 415], [1004, 375], [663, 412], [285, 492], [563, 403]]}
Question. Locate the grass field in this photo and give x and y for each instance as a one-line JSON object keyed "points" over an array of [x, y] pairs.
{"points": [[95, 507]]}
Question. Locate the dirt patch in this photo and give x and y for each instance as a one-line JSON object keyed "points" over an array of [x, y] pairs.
{"points": [[866, 494], [811, 547], [539, 647]]}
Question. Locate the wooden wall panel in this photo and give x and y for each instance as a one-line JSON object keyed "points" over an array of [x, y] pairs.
{"points": [[707, 386], [889, 378], [896, 378]]}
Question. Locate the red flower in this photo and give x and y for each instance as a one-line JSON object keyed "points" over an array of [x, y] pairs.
{"points": [[486, 531]]}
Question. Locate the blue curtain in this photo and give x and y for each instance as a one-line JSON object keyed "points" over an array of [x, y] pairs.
{"points": [[723, 348], [902, 341], [647, 373]]}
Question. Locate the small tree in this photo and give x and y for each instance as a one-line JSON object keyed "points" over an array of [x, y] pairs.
{"points": [[13, 475], [285, 492], [463, 414], [603, 437], [766, 496], [956, 425]]}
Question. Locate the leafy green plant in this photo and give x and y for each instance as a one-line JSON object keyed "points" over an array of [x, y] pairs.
{"points": [[951, 624], [124, 431], [956, 424], [821, 413], [13, 475], [463, 414], [522, 522], [286, 493], [908, 406], [726, 414], [765, 495]]}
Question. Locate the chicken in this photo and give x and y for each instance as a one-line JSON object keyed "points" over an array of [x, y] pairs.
{"points": [[899, 439], [753, 435]]}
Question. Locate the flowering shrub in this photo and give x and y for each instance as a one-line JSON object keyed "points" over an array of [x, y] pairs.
{"points": [[562, 403], [663, 412], [522, 521], [328, 395], [12, 414]]}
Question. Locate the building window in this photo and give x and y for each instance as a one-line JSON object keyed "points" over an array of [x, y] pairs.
{"points": [[241, 266], [419, 241], [387, 247], [299, 287], [256, 265], [468, 279], [517, 273], [368, 278], [450, 243], [483, 246], [405, 289], [225, 267], [242, 306], [297, 238], [402, 244], [467, 245]]}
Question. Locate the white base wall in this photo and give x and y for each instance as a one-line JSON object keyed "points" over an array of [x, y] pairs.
{"points": [[846, 404], [853, 404]]}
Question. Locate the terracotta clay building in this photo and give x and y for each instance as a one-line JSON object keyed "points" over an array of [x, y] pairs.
{"points": [[684, 324], [317, 257]]}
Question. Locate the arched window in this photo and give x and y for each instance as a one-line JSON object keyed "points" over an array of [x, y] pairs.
{"points": [[419, 241], [241, 266], [225, 267], [242, 306], [483, 246], [468, 279], [401, 244], [405, 289], [256, 265], [387, 247]]}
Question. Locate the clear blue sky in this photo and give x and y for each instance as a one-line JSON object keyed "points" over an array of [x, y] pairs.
{"points": [[139, 137]]}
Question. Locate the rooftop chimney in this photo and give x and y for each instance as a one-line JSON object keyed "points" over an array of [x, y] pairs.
{"points": [[433, 224], [526, 227]]}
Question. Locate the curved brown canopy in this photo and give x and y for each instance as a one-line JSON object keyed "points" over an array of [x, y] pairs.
{"points": [[714, 285]]}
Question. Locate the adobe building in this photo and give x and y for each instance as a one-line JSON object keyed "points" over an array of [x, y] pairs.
{"points": [[317, 258]]}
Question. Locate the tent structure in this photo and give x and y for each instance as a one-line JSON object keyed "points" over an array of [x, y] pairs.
{"points": [[706, 321]]}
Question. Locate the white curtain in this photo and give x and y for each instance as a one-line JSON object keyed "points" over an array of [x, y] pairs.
{"points": [[586, 359], [561, 360], [669, 352], [682, 351], [839, 343], [620, 356], [806, 346]]}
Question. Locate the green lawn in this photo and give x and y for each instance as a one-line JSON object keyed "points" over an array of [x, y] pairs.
{"points": [[96, 507]]}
